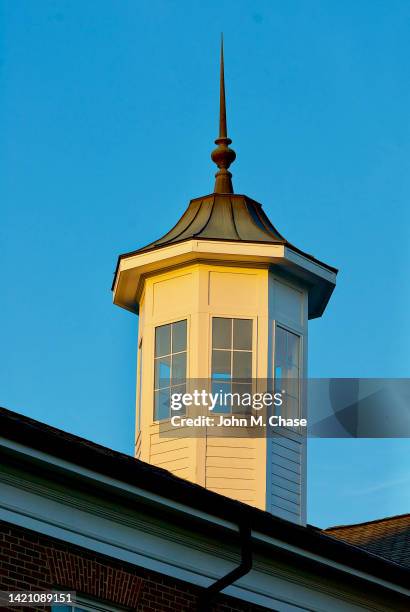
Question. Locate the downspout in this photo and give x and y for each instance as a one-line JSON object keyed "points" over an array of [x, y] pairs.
{"points": [[208, 595]]}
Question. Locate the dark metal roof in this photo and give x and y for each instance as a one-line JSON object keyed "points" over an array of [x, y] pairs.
{"points": [[125, 468], [220, 216]]}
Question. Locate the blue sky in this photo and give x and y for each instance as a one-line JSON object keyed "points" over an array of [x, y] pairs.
{"points": [[108, 112]]}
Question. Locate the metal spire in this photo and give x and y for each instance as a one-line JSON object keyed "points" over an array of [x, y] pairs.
{"points": [[222, 102], [223, 156]]}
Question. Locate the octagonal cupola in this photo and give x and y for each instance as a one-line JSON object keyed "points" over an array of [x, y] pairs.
{"points": [[223, 296]]}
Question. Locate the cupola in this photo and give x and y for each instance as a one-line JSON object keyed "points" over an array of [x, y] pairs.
{"points": [[223, 296]]}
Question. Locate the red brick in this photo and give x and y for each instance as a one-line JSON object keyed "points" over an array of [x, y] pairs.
{"points": [[36, 562]]}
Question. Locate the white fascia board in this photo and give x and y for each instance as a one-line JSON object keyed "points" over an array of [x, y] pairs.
{"points": [[261, 537], [310, 266], [76, 470], [206, 247], [92, 528], [75, 528], [134, 267]]}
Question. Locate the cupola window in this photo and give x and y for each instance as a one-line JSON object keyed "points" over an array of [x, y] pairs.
{"points": [[287, 370], [231, 370], [170, 366]]}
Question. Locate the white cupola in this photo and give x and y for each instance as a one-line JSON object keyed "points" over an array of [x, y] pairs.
{"points": [[224, 296]]}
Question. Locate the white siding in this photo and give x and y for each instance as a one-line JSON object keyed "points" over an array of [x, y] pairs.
{"points": [[286, 469], [286, 451], [231, 467], [173, 454]]}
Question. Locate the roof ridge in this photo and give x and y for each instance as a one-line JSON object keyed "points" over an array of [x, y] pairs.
{"points": [[380, 520]]}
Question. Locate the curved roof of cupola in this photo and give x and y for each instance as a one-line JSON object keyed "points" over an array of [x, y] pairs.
{"points": [[221, 216]]}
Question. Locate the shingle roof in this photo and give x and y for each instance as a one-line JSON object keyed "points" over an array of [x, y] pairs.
{"points": [[387, 537]]}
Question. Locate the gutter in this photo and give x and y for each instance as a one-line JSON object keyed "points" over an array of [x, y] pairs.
{"points": [[208, 595]]}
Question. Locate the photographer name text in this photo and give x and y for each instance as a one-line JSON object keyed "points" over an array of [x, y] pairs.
{"points": [[236, 421]]}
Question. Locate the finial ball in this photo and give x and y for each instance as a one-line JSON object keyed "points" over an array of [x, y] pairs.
{"points": [[223, 156]]}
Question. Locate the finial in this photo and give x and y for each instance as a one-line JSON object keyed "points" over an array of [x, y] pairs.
{"points": [[223, 156]]}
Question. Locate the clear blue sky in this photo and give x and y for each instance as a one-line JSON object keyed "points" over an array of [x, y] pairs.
{"points": [[108, 111]]}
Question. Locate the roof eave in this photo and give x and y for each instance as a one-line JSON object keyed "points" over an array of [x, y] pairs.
{"points": [[45, 445]]}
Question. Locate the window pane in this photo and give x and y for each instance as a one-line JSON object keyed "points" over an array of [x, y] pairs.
{"points": [[242, 334], [178, 368], [162, 372], [280, 346], [291, 386], [179, 336], [162, 340], [140, 363], [242, 364], [221, 364], [180, 389], [285, 374], [244, 391], [162, 404], [287, 356], [221, 333], [221, 387], [292, 372], [290, 408], [292, 350]]}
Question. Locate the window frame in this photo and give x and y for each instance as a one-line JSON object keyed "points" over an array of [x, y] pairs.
{"points": [[170, 322], [253, 350], [139, 382], [297, 332], [88, 605]]}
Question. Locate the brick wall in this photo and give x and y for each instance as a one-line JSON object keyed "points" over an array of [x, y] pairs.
{"points": [[30, 561]]}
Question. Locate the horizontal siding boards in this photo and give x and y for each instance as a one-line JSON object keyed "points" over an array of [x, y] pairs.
{"points": [[183, 473], [172, 454], [243, 496], [292, 454], [288, 485], [231, 462], [287, 505], [176, 464], [282, 441], [238, 484], [167, 429], [243, 473], [285, 459], [285, 473], [230, 449], [282, 493], [285, 514], [159, 445], [230, 442], [287, 464], [231, 468], [231, 452]]}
